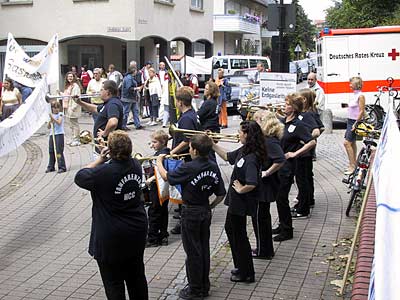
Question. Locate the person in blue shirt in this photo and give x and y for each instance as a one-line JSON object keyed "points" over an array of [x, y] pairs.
{"points": [[57, 119]]}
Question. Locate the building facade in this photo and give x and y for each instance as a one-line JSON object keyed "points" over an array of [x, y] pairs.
{"points": [[240, 27], [100, 32]]}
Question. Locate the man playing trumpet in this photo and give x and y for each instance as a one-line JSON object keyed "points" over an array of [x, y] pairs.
{"points": [[109, 114]]}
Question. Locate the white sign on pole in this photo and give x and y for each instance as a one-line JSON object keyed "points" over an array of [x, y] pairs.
{"points": [[30, 71], [275, 87]]}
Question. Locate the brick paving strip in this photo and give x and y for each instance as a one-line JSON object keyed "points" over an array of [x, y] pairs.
{"points": [[45, 227]]}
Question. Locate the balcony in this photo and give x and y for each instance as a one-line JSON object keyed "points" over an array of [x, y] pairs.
{"points": [[236, 24], [265, 33]]}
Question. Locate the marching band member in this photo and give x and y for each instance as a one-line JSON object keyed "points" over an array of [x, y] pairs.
{"points": [[243, 194], [310, 109], [109, 115], [199, 178], [304, 176], [208, 112], [296, 140], [273, 130], [119, 221], [158, 213], [187, 120]]}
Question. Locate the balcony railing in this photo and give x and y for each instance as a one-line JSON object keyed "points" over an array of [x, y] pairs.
{"points": [[236, 24]]}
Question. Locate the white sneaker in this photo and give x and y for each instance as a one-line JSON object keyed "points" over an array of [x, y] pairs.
{"points": [[153, 123]]}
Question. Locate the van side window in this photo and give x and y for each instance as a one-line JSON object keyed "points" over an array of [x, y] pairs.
{"points": [[221, 63], [254, 62], [239, 63]]}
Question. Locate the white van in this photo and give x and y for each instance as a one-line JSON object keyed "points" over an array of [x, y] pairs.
{"points": [[233, 63]]}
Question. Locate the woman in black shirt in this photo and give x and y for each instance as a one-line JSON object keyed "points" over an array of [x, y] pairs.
{"points": [[296, 141], [119, 221], [273, 130], [208, 112], [243, 195]]}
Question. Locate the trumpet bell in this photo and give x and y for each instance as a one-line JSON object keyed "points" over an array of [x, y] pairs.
{"points": [[85, 137]]}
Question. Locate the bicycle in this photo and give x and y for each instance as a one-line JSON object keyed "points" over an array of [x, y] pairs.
{"points": [[375, 114], [356, 180]]}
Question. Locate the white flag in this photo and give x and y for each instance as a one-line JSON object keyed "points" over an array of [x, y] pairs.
{"points": [[25, 121], [385, 276], [30, 71]]}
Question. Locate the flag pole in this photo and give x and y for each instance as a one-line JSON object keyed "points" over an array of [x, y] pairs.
{"points": [[357, 231]]}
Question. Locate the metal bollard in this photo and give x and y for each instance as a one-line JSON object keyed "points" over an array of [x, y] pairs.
{"points": [[327, 120]]}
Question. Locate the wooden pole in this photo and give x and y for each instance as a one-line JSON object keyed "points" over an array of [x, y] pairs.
{"points": [[356, 233], [54, 143]]}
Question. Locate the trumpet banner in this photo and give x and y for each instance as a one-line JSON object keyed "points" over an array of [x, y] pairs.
{"points": [[165, 190], [30, 71]]}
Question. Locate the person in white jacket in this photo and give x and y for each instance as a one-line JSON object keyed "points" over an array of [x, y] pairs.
{"points": [[154, 86], [164, 107]]}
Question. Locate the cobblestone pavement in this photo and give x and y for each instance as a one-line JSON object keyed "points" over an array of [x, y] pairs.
{"points": [[45, 223]]}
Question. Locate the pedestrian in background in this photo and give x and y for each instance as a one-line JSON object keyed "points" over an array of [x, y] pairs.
{"points": [[73, 110], [356, 112], [153, 86], [10, 99], [222, 83]]}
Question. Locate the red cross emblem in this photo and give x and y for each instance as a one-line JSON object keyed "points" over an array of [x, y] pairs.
{"points": [[393, 54]]}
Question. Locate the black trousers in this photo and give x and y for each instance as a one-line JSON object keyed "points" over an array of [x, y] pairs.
{"points": [[305, 183], [235, 228], [158, 217], [286, 176], [196, 221], [60, 152], [262, 225], [131, 273]]}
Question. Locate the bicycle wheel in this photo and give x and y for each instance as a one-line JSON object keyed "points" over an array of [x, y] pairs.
{"points": [[353, 195], [374, 115]]}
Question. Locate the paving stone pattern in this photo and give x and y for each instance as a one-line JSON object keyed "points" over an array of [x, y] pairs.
{"points": [[45, 224]]}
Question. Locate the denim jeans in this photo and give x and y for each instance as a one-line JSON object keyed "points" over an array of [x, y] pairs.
{"points": [[127, 107]]}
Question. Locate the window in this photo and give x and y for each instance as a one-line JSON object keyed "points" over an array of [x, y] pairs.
{"points": [[16, 2], [254, 62], [239, 63], [167, 2], [196, 4], [221, 63]]}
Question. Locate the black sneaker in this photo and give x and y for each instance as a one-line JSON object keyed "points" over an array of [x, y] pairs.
{"points": [[186, 293], [276, 230], [150, 244], [176, 229], [296, 215], [139, 127], [163, 241], [283, 236], [48, 170], [61, 171]]}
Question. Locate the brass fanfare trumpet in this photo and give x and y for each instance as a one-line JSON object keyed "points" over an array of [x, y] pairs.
{"points": [[223, 137], [248, 110], [142, 158], [49, 97]]}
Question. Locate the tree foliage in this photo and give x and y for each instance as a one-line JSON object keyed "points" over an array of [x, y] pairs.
{"points": [[303, 34], [363, 13]]}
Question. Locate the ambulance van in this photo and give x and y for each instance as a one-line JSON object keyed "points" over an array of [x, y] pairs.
{"points": [[371, 53]]}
